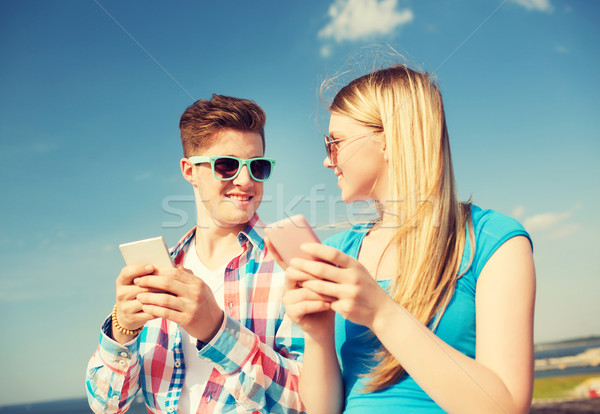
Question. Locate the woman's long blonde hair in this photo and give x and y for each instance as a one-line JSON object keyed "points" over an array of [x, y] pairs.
{"points": [[431, 220]]}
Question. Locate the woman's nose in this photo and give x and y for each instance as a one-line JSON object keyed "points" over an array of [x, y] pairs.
{"points": [[327, 163]]}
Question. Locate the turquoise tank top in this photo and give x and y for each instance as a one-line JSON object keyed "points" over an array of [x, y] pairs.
{"points": [[355, 344]]}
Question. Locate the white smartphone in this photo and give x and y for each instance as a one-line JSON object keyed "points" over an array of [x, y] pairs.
{"points": [[287, 236], [153, 251]]}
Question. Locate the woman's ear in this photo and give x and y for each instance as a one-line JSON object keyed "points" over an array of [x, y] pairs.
{"points": [[384, 148], [187, 170]]}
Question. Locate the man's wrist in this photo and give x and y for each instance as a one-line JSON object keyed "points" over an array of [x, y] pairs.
{"points": [[109, 345], [116, 327], [231, 348], [217, 328]]}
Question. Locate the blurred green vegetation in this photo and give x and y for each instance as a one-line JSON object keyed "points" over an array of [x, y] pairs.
{"points": [[558, 387]]}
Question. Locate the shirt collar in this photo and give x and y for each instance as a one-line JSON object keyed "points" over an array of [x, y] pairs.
{"points": [[253, 232]]}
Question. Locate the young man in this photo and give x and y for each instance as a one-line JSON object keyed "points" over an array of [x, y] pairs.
{"points": [[209, 336]]}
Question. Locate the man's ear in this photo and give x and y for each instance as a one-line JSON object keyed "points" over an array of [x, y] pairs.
{"points": [[187, 170]]}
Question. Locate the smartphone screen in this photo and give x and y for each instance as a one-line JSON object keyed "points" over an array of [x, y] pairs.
{"points": [[289, 234], [153, 251]]}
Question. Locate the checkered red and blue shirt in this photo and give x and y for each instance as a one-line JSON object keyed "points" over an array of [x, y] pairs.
{"points": [[255, 355]]}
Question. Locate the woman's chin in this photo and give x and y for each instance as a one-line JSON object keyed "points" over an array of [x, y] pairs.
{"points": [[349, 198]]}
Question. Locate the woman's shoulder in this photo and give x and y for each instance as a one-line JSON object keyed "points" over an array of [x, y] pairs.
{"points": [[491, 229], [350, 239], [490, 224]]}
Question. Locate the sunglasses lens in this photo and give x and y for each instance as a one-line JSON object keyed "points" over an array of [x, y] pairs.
{"points": [[329, 148], [261, 169], [226, 167]]}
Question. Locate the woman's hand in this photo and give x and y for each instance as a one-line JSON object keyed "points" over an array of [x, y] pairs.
{"points": [[308, 309], [321, 386], [180, 296], [341, 280]]}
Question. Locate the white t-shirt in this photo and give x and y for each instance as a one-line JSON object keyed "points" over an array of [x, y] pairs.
{"points": [[197, 370]]}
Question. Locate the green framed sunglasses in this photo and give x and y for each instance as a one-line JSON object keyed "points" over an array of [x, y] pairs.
{"points": [[226, 168]]}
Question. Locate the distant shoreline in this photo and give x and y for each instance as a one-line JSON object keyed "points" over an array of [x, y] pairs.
{"points": [[583, 341], [66, 406], [569, 357]]}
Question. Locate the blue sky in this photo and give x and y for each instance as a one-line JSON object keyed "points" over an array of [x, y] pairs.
{"points": [[92, 92]]}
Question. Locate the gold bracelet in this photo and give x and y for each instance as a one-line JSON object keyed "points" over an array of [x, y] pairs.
{"points": [[119, 328]]}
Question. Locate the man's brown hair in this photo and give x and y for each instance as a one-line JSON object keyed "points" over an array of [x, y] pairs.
{"points": [[202, 120]]}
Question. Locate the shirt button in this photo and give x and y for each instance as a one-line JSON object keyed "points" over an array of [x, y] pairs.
{"points": [[177, 364], [230, 304], [171, 409], [122, 362], [124, 354], [115, 397], [208, 399]]}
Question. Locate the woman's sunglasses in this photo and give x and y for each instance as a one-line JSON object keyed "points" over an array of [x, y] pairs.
{"points": [[226, 168], [331, 145]]}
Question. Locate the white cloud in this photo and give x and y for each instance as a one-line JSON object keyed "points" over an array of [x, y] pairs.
{"points": [[518, 212], [535, 5], [362, 19], [547, 221], [325, 50]]}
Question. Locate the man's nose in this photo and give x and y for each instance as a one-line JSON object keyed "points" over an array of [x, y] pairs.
{"points": [[244, 177]]}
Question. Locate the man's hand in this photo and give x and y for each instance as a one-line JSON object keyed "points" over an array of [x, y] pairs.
{"points": [[178, 295], [129, 309]]}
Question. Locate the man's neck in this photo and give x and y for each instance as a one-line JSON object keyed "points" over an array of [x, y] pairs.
{"points": [[216, 245]]}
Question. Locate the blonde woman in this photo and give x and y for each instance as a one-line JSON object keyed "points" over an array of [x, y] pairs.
{"points": [[430, 308]]}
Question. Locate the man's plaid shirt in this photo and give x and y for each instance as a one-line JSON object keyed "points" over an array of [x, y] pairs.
{"points": [[256, 354]]}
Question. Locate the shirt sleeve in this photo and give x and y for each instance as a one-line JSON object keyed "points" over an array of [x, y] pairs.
{"points": [[112, 376], [259, 377], [492, 230]]}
